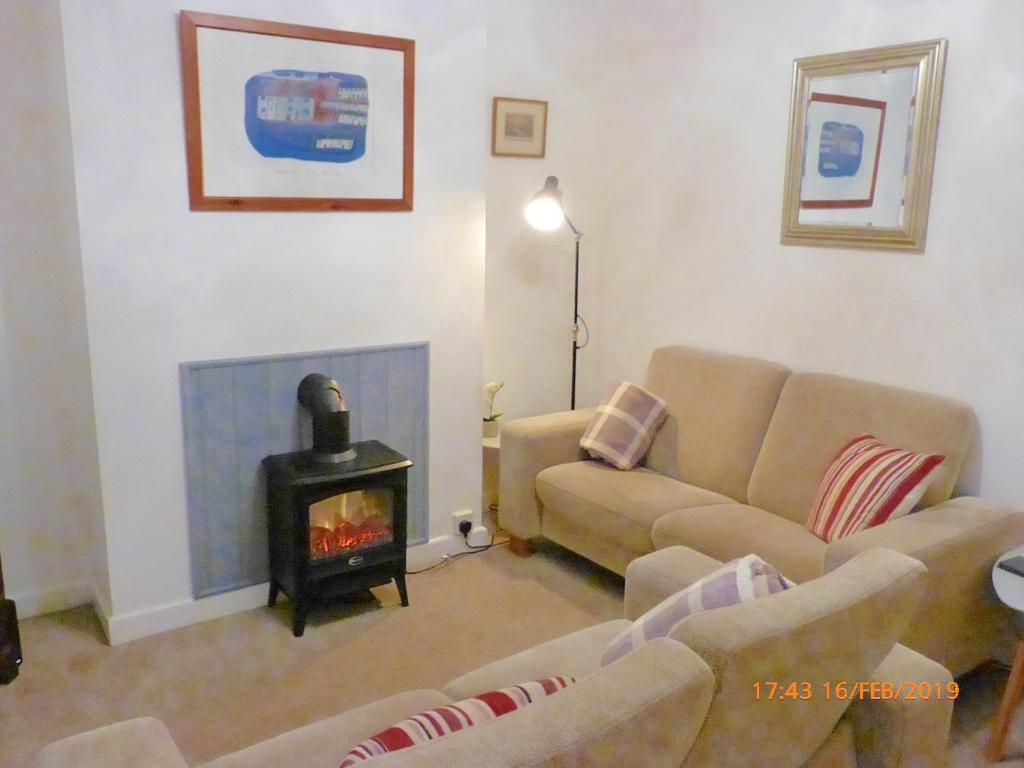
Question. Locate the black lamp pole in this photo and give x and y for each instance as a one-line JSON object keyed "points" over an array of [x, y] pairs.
{"points": [[546, 212], [577, 236]]}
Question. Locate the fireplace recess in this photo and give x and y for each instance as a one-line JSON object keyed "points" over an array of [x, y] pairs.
{"points": [[336, 528]]}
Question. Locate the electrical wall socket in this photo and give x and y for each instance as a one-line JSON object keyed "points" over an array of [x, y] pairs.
{"points": [[458, 517]]}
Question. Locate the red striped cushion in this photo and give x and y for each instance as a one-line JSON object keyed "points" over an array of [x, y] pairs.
{"points": [[867, 484], [435, 723]]}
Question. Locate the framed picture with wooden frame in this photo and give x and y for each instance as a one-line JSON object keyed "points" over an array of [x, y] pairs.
{"points": [[282, 117], [518, 127]]}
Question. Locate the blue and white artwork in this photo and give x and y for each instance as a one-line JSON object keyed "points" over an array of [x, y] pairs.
{"points": [[840, 149], [844, 137], [315, 116]]}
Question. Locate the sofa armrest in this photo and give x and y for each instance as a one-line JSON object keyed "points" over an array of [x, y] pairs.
{"points": [[960, 621], [527, 447], [904, 730], [129, 744]]}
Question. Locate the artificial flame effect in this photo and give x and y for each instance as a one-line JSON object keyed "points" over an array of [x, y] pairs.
{"points": [[350, 522]]}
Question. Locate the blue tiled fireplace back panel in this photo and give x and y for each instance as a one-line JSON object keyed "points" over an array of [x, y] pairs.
{"points": [[238, 411]]}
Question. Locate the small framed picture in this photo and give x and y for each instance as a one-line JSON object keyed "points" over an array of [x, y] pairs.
{"points": [[519, 127]]}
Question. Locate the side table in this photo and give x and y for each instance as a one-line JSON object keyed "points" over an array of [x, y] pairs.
{"points": [[1010, 589], [491, 463]]}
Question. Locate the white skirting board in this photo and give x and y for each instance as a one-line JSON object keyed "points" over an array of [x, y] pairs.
{"points": [[125, 627], [51, 600]]}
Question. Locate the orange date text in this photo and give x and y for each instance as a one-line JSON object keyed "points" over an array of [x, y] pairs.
{"points": [[842, 690]]}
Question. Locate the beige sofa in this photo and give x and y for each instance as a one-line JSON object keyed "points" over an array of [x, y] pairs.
{"points": [[735, 470], [663, 705]]}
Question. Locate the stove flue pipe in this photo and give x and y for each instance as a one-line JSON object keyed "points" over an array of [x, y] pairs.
{"points": [[323, 398]]}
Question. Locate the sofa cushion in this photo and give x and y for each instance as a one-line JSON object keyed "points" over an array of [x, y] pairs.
{"points": [[577, 654], [817, 415], [722, 404], [728, 531], [739, 581], [621, 506], [448, 719], [623, 426], [323, 744], [867, 484]]}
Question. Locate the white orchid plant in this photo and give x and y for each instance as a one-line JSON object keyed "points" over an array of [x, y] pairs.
{"points": [[490, 390]]}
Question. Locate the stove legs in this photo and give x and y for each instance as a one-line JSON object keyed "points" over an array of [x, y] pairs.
{"points": [[400, 583], [298, 619], [298, 609], [359, 591]]}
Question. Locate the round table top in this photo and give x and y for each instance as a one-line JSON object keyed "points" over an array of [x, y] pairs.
{"points": [[1009, 586]]}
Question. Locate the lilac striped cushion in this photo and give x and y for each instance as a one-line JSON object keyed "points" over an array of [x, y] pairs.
{"points": [[624, 426], [739, 581]]}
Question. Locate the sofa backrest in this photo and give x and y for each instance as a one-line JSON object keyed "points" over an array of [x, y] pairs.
{"points": [[836, 628], [644, 709], [817, 414], [721, 405]]}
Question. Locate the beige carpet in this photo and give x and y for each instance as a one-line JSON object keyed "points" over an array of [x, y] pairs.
{"points": [[228, 683]]}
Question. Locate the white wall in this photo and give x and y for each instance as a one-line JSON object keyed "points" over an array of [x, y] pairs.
{"points": [[50, 519], [164, 285], [552, 52], [694, 118]]}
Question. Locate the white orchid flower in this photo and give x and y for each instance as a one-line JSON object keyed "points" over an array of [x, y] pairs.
{"points": [[490, 390]]}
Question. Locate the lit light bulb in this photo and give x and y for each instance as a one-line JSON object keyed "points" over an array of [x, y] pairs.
{"points": [[544, 212]]}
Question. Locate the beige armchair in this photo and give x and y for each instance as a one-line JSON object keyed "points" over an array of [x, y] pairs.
{"points": [[839, 628], [819, 632]]}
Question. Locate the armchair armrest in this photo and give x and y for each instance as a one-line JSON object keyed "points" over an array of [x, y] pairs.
{"points": [[527, 447], [655, 576], [961, 621], [129, 744], [911, 732]]}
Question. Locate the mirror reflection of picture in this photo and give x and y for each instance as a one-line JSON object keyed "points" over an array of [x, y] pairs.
{"points": [[855, 153], [843, 150]]}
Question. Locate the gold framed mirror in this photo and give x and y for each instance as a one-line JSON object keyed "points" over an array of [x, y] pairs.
{"points": [[862, 131]]}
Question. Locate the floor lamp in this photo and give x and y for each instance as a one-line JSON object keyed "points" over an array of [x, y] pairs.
{"points": [[546, 212]]}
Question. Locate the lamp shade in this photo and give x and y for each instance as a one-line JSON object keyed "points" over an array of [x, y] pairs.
{"points": [[544, 211]]}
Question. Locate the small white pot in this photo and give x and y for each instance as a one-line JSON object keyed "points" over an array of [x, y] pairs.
{"points": [[491, 428]]}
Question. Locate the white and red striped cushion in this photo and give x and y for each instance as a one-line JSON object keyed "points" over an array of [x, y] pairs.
{"points": [[435, 723], [867, 484]]}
